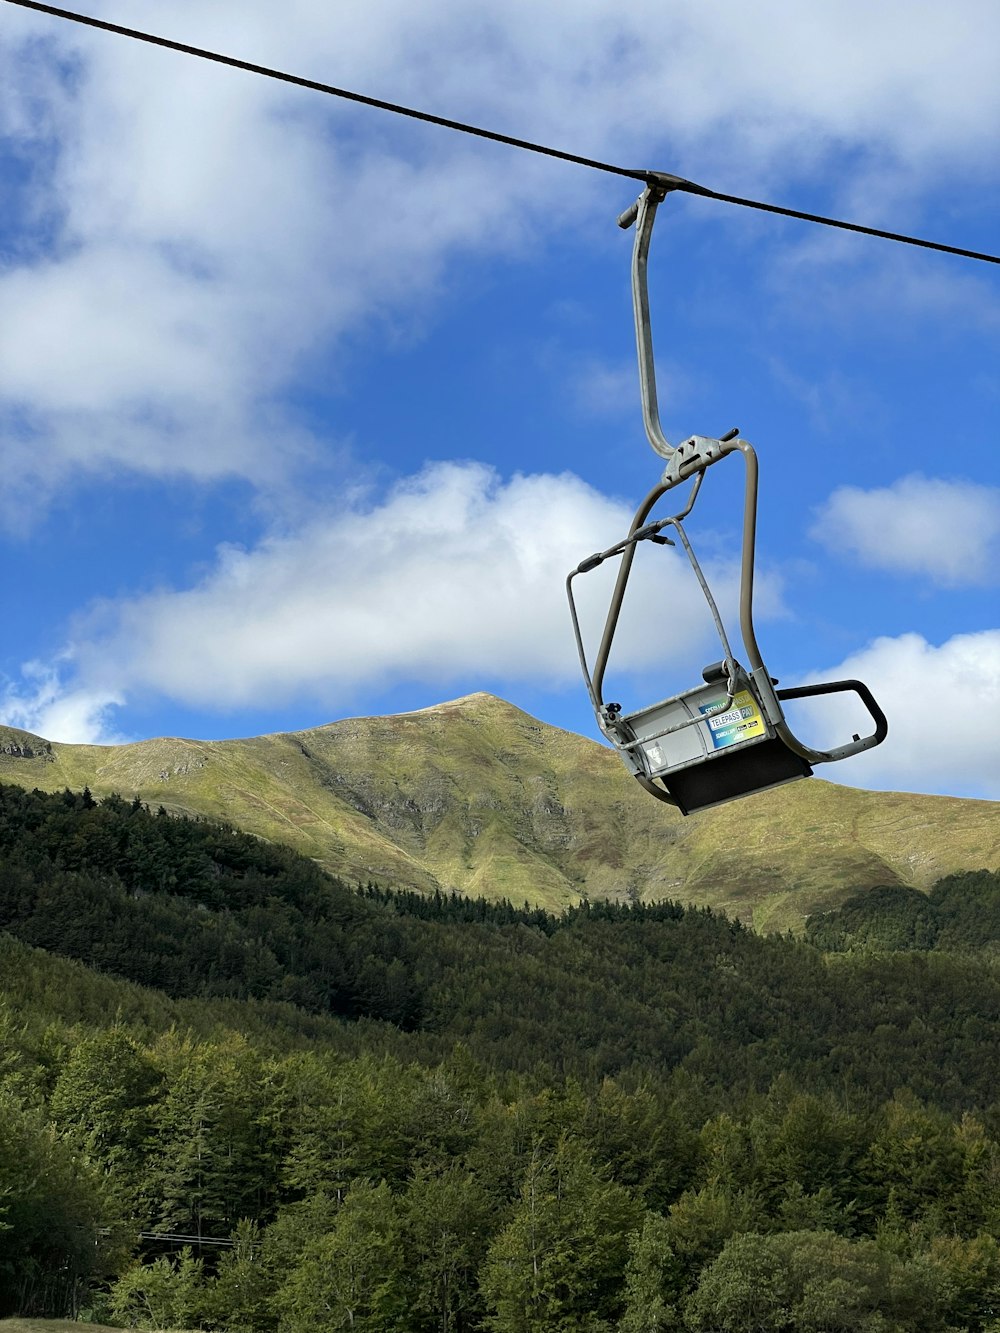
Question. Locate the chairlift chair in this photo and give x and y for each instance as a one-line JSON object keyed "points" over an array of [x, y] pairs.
{"points": [[726, 737]]}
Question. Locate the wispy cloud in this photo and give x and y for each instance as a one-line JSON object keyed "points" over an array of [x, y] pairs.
{"points": [[597, 388]]}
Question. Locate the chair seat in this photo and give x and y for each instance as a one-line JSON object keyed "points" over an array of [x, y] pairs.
{"points": [[734, 773]]}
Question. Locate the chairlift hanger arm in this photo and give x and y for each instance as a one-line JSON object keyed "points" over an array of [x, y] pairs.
{"points": [[643, 214]]}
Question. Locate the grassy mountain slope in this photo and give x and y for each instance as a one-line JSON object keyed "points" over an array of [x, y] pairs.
{"points": [[477, 796]]}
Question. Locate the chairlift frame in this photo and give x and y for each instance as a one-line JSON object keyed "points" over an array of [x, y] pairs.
{"points": [[697, 749]]}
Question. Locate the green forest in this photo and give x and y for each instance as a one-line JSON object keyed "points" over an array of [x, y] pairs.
{"points": [[237, 1094]]}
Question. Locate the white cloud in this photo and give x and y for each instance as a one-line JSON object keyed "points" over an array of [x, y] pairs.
{"points": [[209, 230], [208, 234], [947, 531], [43, 704], [942, 703], [455, 573]]}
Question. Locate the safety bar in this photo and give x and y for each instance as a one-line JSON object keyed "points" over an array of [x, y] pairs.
{"points": [[855, 746], [652, 532]]}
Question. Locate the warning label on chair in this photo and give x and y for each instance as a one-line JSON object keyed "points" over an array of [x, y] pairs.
{"points": [[741, 721]]}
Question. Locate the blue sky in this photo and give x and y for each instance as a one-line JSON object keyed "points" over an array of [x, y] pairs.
{"points": [[306, 410]]}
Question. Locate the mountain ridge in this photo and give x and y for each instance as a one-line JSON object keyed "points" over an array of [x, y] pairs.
{"points": [[474, 795]]}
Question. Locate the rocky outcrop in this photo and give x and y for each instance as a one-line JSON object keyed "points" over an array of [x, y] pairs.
{"points": [[23, 745]]}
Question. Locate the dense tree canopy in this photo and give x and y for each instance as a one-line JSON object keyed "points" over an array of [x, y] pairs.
{"points": [[235, 1094], [961, 912]]}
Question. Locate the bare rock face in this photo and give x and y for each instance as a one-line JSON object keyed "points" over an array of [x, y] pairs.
{"points": [[478, 797], [16, 744]]}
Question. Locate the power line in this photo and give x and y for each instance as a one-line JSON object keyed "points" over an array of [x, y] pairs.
{"points": [[674, 182]]}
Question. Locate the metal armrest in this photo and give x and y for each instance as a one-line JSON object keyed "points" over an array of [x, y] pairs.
{"points": [[839, 687]]}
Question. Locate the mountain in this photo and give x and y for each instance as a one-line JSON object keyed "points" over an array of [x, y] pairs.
{"points": [[476, 796]]}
